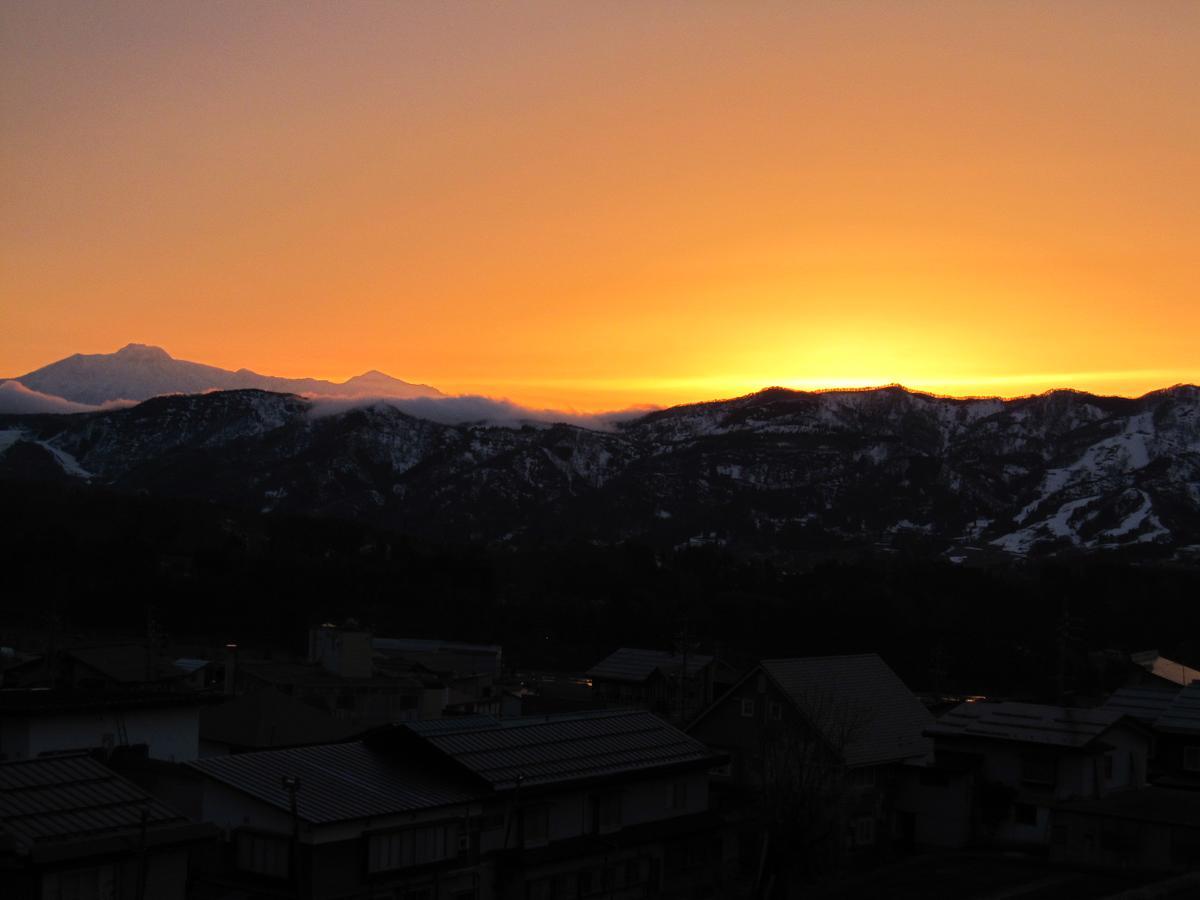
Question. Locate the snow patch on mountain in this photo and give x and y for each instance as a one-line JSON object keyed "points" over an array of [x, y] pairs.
{"points": [[10, 436]]}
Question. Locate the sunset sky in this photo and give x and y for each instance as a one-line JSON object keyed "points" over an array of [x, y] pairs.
{"points": [[592, 205]]}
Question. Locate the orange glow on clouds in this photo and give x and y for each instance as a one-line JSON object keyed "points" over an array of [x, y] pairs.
{"points": [[596, 205]]}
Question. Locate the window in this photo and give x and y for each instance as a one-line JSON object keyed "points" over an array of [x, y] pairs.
{"points": [[536, 821], [687, 854], [626, 874], [748, 709], [1191, 759], [412, 847], [862, 777], [429, 844], [385, 851], [863, 834], [263, 854], [1108, 767], [591, 881], [94, 883], [774, 710], [566, 886], [677, 795], [1024, 813], [539, 889], [633, 872], [607, 809]]}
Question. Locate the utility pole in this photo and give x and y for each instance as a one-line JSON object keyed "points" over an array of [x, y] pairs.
{"points": [[291, 784], [684, 647], [141, 880]]}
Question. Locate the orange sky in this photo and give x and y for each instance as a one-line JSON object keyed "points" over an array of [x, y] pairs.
{"points": [[591, 205]]}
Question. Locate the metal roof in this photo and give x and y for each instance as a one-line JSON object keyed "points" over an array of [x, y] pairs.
{"points": [[1142, 703], [452, 724], [636, 665], [1167, 669], [423, 645], [338, 781], [69, 798], [1183, 715], [541, 750], [1059, 726], [126, 663], [858, 704], [278, 672]]}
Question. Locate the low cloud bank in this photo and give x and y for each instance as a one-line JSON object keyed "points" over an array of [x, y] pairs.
{"points": [[471, 408], [16, 399]]}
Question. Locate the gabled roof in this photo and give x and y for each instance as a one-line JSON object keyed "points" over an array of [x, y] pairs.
{"points": [[1183, 715], [338, 781], [636, 665], [1142, 703], [270, 718], [544, 750], [422, 645], [1167, 669], [857, 703], [56, 800], [278, 672], [1031, 723], [126, 663]]}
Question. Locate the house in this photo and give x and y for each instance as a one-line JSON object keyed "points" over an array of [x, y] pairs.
{"points": [[267, 719], [833, 733], [71, 828], [546, 808], [1173, 716], [112, 667], [460, 658], [199, 674], [1144, 702], [355, 676], [336, 819], [1023, 759], [673, 685], [1152, 828], [37, 722], [367, 700]]}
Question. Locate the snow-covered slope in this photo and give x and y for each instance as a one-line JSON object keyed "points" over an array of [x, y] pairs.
{"points": [[776, 471], [139, 372]]}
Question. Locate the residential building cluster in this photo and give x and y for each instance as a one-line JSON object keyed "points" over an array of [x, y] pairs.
{"points": [[425, 770]]}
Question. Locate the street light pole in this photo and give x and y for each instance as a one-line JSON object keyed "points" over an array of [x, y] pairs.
{"points": [[291, 784]]}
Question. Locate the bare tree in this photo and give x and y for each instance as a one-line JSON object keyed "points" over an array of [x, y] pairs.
{"points": [[806, 789]]}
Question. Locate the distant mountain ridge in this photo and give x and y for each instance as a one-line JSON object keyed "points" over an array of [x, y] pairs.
{"points": [[777, 472], [139, 371]]}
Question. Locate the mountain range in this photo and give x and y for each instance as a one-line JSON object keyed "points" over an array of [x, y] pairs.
{"points": [[776, 472], [138, 372]]}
